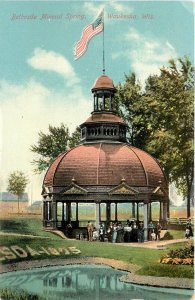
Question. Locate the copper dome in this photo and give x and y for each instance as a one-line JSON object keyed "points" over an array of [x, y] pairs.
{"points": [[105, 164], [103, 82]]}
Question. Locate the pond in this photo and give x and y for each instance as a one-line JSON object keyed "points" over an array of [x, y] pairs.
{"points": [[81, 282]]}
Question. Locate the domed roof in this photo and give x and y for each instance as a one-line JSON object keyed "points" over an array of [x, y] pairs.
{"points": [[104, 117], [103, 82], [105, 164]]}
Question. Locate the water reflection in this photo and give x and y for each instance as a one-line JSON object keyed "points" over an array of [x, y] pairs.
{"points": [[81, 282]]}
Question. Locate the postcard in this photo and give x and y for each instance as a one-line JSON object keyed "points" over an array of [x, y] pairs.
{"points": [[96, 149]]}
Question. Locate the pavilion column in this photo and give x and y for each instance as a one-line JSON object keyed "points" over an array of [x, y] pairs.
{"points": [[94, 103], [110, 107], [97, 215], [54, 214], [49, 210], [103, 101], [137, 211], [168, 208], [44, 211], [68, 211], [149, 212], [145, 221], [97, 102], [77, 211], [108, 212], [164, 215], [62, 211], [133, 210], [161, 212], [116, 212]]}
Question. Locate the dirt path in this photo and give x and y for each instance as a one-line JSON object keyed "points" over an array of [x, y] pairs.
{"points": [[153, 244]]}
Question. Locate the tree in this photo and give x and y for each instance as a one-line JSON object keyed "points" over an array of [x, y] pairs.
{"points": [[129, 105], [51, 144], [75, 138], [160, 120], [17, 183], [172, 141]]}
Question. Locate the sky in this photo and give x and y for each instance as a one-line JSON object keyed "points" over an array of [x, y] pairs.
{"points": [[40, 81]]}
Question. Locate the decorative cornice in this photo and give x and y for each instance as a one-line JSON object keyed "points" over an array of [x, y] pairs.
{"points": [[123, 189], [74, 189]]}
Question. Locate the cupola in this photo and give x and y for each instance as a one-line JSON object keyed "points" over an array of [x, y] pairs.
{"points": [[104, 123]]}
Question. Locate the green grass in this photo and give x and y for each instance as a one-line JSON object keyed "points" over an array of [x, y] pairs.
{"points": [[147, 259], [25, 226], [177, 234]]}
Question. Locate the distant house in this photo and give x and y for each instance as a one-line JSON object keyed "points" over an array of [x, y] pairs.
{"points": [[6, 196]]}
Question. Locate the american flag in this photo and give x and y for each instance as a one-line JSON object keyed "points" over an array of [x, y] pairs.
{"points": [[88, 32]]}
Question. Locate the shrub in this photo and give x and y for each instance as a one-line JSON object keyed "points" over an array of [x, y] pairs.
{"points": [[167, 236], [184, 256]]}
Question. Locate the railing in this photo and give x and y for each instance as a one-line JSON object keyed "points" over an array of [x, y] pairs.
{"points": [[180, 221]]}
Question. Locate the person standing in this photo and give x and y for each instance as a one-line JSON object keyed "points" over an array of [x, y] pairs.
{"points": [[134, 233], [109, 232], [90, 231], [127, 231], [101, 233], [69, 229], [114, 233], [158, 231], [189, 232], [150, 230], [141, 232], [120, 233]]}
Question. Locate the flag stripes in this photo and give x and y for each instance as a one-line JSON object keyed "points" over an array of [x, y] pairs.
{"points": [[91, 30]]}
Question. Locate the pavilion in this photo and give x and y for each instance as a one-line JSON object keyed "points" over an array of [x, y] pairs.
{"points": [[103, 168]]}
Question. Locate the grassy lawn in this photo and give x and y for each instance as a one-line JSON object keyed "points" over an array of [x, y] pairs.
{"points": [[177, 234], [25, 226], [147, 259]]}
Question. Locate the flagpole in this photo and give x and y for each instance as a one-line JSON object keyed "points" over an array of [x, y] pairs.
{"points": [[103, 47]]}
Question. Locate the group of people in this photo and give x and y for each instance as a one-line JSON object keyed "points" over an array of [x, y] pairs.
{"points": [[188, 230], [116, 232], [131, 232]]}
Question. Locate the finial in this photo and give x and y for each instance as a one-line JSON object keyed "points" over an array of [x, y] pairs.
{"points": [[73, 180]]}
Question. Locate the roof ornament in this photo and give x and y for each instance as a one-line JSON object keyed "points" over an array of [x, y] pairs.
{"points": [[123, 180], [73, 180]]}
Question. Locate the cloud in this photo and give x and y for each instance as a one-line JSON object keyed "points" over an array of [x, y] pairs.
{"points": [[95, 9], [119, 7], [27, 109], [146, 54], [54, 62]]}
